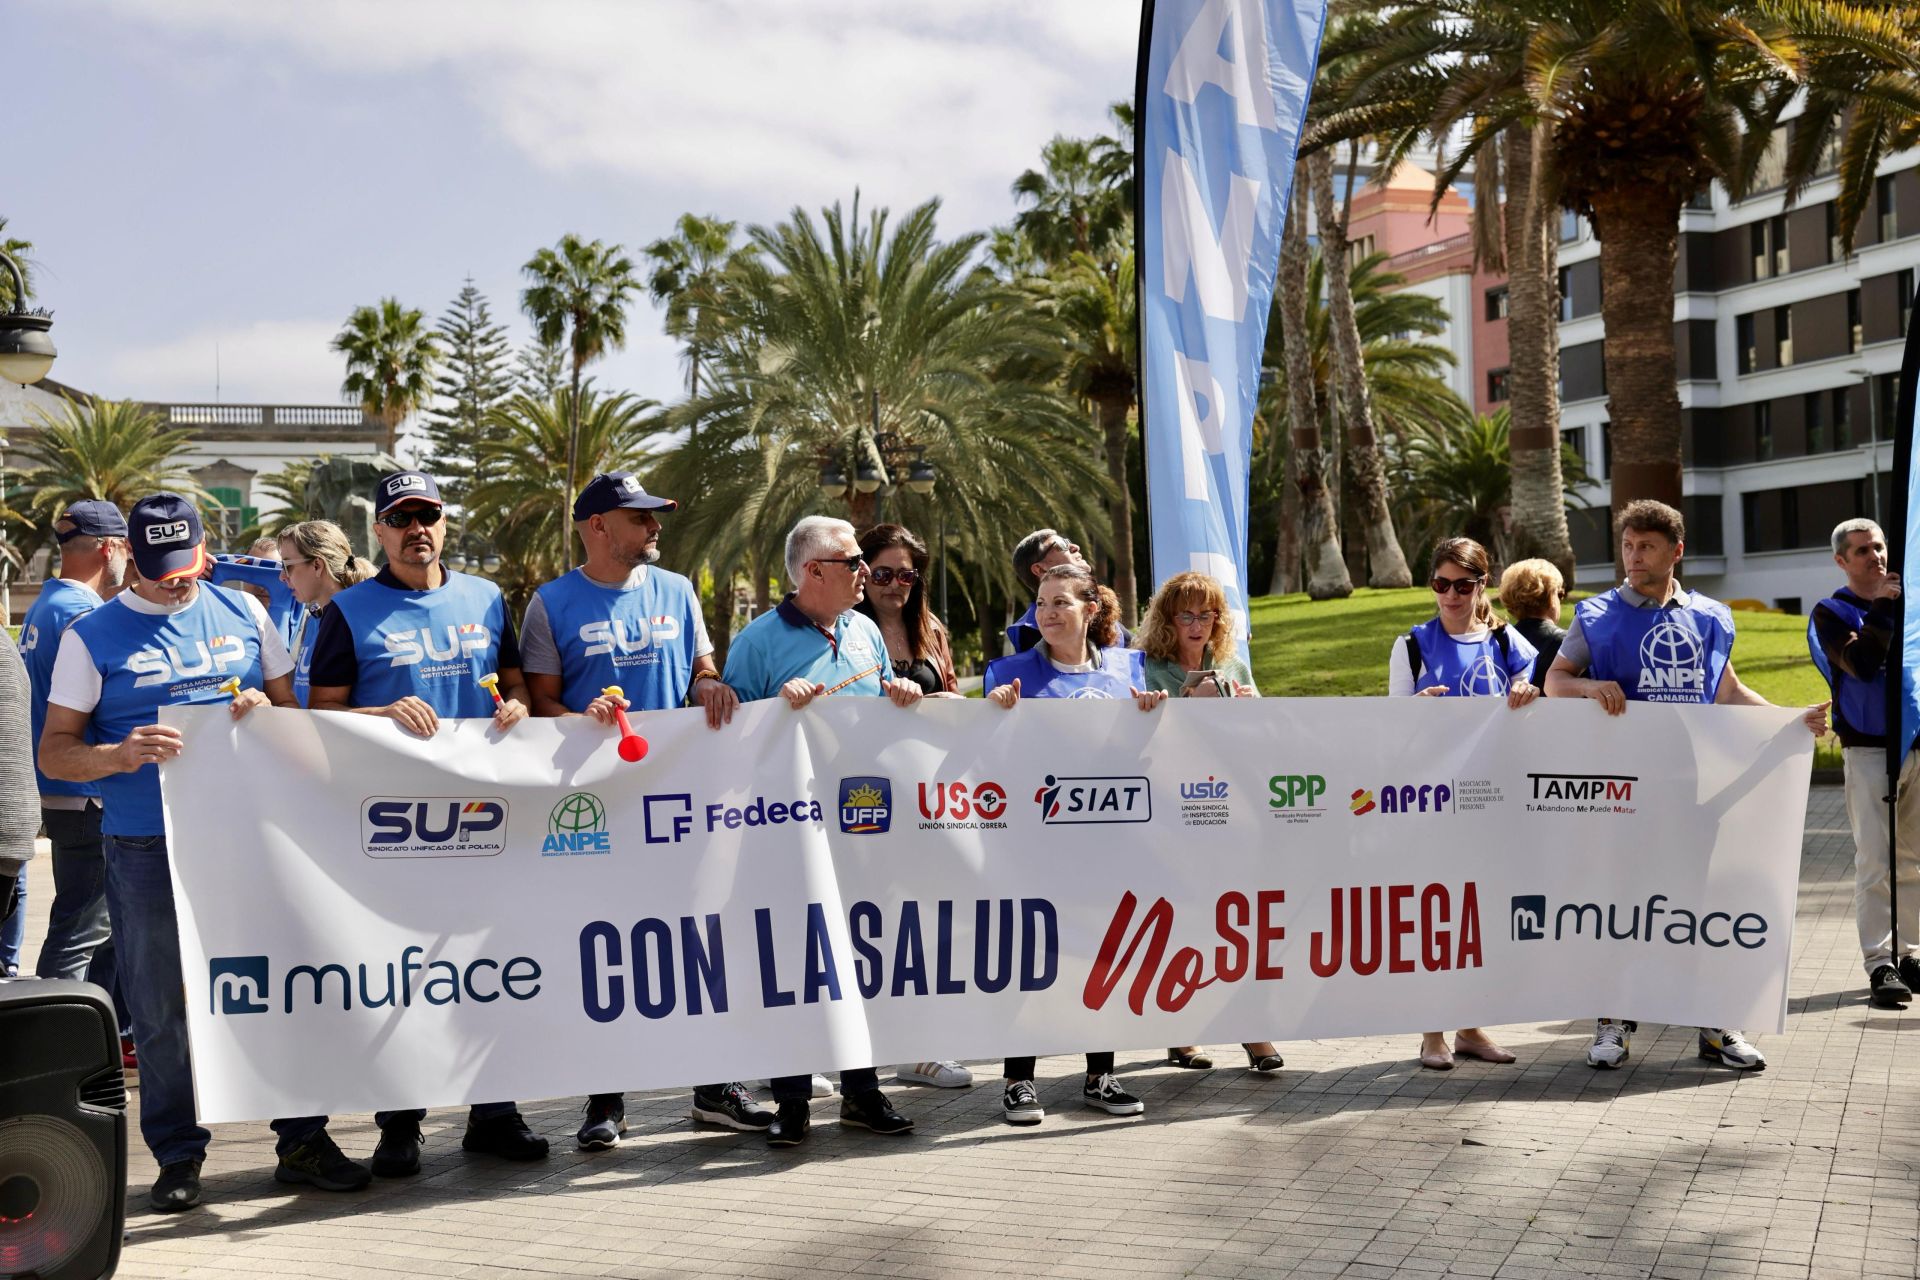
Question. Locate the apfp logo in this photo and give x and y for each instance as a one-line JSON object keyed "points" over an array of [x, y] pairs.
{"points": [[1361, 801], [866, 805], [578, 824], [433, 827], [171, 663], [1428, 797], [1079, 800], [1529, 917], [1670, 663], [237, 984]]}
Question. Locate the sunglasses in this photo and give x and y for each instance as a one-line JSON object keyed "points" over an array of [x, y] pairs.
{"points": [[887, 575], [1189, 619], [1459, 586], [853, 563], [426, 517], [288, 566]]}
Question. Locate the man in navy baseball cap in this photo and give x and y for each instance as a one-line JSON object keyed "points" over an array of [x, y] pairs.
{"points": [[91, 518], [615, 489], [169, 543], [404, 486]]}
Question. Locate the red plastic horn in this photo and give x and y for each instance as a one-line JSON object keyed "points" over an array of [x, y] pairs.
{"points": [[633, 747]]}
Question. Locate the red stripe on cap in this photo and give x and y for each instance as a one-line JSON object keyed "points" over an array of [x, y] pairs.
{"points": [[194, 570]]}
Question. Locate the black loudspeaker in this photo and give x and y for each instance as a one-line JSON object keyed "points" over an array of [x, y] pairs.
{"points": [[63, 1132]]}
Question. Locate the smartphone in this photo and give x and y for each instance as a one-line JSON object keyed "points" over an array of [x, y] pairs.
{"points": [[1195, 677]]}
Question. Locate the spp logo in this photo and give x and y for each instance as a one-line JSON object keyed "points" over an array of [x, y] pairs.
{"points": [[160, 535], [578, 824], [866, 805], [433, 827], [1065, 800], [621, 638], [1529, 917], [416, 644], [956, 805], [237, 984], [1670, 666], [1295, 791], [1427, 797], [175, 662]]}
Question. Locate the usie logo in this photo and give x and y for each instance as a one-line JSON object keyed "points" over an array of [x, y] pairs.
{"points": [[433, 827], [866, 805], [237, 984], [1079, 800], [410, 647], [201, 658], [1211, 789]]}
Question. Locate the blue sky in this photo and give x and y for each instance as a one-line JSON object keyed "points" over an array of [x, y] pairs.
{"points": [[244, 172]]}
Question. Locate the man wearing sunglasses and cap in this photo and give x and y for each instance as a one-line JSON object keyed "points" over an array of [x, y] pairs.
{"points": [[620, 619], [117, 666], [410, 643]]}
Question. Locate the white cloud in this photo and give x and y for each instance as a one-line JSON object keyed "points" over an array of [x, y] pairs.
{"points": [[269, 361]]}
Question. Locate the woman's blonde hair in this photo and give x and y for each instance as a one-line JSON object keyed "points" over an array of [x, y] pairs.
{"points": [[1526, 586], [325, 541], [1159, 635]]}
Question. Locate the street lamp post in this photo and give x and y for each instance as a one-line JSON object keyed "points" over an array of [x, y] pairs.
{"points": [[6, 565]]}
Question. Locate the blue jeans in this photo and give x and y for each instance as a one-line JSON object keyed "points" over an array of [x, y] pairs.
{"points": [[140, 896], [79, 942], [13, 929]]}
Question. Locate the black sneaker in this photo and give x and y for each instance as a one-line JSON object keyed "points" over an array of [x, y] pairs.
{"points": [[1105, 1094], [789, 1127], [505, 1135], [1021, 1104], [869, 1110], [606, 1121], [1910, 972], [177, 1187], [730, 1105], [398, 1152], [317, 1162], [1888, 989]]}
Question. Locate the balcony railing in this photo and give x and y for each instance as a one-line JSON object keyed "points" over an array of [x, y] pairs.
{"points": [[1410, 257], [269, 417]]}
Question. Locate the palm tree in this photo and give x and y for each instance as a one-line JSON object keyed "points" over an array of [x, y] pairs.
{"points": [[18, 251], [391, 354], [288, 487], [116, 450], [690, 270], [1453, 478], [578, 290], [1076, 203], [1327, 576]]}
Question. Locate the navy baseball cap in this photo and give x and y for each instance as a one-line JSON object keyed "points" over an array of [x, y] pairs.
{"points": [[404, 486], [613, 490], [167, 537], [93, 518]]}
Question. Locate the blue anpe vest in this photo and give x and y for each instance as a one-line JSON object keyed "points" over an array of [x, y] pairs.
{"points": [[1121, 671], [147, 661], [1861, 705], [1658, 655], [432, 645], [1470, 668], [640, 639], [59, 605]]}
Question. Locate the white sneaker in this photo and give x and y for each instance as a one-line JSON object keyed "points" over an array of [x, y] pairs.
{"points": [[1730, 1049], [822, 1087], [1612, 1045], [941, 1075]]}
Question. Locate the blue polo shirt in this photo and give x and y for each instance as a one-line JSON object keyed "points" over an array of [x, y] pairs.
{"points": [[784, 644]]}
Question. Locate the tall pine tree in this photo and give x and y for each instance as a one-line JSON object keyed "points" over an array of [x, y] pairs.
{"points": [[540, 370], [475, 377]]}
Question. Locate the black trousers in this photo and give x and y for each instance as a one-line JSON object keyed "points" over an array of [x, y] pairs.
{"points": [[1098, 1064]]}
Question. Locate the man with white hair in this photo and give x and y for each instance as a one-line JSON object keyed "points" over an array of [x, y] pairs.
{"points": [[814, 645], [1849, 634]]}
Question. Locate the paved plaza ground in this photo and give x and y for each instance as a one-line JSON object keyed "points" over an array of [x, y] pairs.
{"points": [[1351, 1162]]}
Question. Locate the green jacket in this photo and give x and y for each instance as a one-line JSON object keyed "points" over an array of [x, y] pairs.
{"points": [[1163, 674]]}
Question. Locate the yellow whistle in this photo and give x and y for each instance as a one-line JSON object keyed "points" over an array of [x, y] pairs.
{"points": [[491, 683], [231, 687]]}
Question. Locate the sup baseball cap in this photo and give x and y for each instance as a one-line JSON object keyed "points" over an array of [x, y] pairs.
{"points": [[404, 486], [167, 538], [93, 518], [615, 489]]}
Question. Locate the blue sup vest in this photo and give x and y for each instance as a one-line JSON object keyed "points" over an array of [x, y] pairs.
{"points": [[432, 645], [640, 639], [60, 604], [1861, 705], [1658, 655]]}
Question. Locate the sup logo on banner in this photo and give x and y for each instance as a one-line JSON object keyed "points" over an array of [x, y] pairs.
{"points": [[1081, 800], [578, 824], [866, 806], [237, 984], [433, 826]]}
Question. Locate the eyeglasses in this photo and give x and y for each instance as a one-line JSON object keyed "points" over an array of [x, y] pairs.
{"points": [[1459, 586], [887, 575], [287, 566], [427, 517], [854, 563], [1190, 619]]}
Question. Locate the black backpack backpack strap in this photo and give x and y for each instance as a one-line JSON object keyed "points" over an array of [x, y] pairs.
{"points": [[1413, 657], [1505, 646]]}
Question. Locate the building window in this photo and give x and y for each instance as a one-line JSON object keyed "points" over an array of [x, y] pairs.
{"points": [[1777, 233], [1842, 418], [1746, 348], [1903, 297], [1359, 251], [1569, 226], [1497, 303], [1782, 336], [1606, 449], [1757, 250], [1833, 230], [1883, 207], [1853, 320], [1763, 432], [1566, 295], [1886, 390], [1497, 385], [1814, 408]]}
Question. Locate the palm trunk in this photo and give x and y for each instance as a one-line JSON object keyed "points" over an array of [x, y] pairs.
{"points": [[573, 455], [1387, 565], [1286, 549], [1638, 227], [1533, 340], [720, 616], [1111, 411], [1326, 572]]}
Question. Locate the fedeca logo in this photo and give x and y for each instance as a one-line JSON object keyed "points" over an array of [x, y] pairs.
{"points": [[237, 984], [1597, 922], [955, 806], [667, 818], [866, 805], [577, 825], [433, 826], [1065, 800]]}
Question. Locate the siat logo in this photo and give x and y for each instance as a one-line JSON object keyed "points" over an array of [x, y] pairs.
{"points": [[237, 984], [614, 637], [414, 645], [175, 662], [1081, 800], [433, 827], [866, 805]]}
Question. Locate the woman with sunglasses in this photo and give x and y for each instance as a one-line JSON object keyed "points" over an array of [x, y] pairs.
{"points": [[1187, 638], [1463, 651], [1077, 657], [315, 561]]}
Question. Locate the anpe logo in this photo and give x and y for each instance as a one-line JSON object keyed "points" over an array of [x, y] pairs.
{"points": [[1529, 917], [1361, 802], [578, 824], [958, 806], [159, 535], [414, 645], [667, 818], [1649, 922], [237, 984], [1066, 800], [1428, 797], [1670, 663], [433, 826], [614, 638], [201, 658], [866, 805]]}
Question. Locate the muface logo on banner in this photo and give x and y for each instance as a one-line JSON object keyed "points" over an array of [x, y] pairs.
{"points": [[1064, 800], [243, 984], [433, 826], [1657, 921]]}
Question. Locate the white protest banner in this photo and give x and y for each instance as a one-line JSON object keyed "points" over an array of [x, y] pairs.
{"points": [[372, 920]]}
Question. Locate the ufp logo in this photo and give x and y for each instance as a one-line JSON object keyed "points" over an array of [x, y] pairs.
{"points": [[1078, 800], [866, 805], [237, 984], [201, 658], [1529, 917], [410, 647], [159, 535], [578, 824], [433, 826]]}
